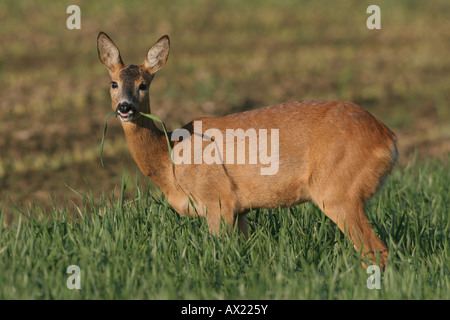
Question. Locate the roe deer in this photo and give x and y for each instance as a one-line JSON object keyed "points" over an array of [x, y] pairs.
{"points": [[331, 152]]}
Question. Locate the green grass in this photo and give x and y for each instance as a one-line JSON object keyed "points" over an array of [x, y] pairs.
{"points": [[141, 249], [225, 57]]}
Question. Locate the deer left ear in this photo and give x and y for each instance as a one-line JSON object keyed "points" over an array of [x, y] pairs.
{"points": [[108, 52], [157, 55]]}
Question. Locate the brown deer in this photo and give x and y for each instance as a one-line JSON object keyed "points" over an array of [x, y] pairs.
{"points": [[331, 152]]}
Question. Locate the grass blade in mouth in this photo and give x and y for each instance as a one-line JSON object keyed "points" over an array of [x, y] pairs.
{"points": [[165, 131], [104, 133], [145, 115]]}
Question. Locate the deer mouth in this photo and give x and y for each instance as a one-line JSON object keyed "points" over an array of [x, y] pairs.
{"points": [[128, 116], [126, 111]]}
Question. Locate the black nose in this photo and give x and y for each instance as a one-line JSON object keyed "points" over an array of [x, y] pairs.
{"points": [[124, 107]]}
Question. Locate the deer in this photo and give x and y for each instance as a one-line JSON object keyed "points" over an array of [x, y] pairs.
{"points": [[333, 153]]}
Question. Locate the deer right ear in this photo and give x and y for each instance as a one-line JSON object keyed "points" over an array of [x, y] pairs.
{"points": [[108, 52], [157, 55]]}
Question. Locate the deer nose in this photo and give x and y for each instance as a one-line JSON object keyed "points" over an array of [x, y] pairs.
{"points": [[124, 107]]}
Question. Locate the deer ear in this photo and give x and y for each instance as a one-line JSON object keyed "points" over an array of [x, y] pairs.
{"points": [[157, 55], [108, 52]]}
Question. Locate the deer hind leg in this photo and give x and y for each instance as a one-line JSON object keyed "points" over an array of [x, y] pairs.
{"points": [[345, 207], [352, 221], [342, 192]]}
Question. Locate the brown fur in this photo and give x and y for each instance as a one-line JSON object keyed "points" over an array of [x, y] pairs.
{"points": [[331, 152]]}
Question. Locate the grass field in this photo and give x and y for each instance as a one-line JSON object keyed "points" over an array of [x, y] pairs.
{"points": [[225, 57], [142, 249]]}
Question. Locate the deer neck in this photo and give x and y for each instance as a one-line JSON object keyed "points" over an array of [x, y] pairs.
{"points": [[148, 147]]}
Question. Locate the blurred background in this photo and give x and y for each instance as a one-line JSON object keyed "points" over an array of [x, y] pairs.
{"points": [[226, 56]]}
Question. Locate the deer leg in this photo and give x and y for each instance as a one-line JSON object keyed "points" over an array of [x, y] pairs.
{"points": [[215, 215], [241, 221], [226, 215], [352, 221]]}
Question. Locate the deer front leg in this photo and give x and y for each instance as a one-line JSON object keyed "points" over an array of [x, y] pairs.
{"points": [[241, 221], [215, 216], [225, 214]]}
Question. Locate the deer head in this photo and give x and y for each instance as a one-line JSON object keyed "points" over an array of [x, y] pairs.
{"points": [[130, 83]]}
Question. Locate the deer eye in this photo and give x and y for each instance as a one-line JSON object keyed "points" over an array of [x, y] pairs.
{"points": [[143, 87], [114, 85]]}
